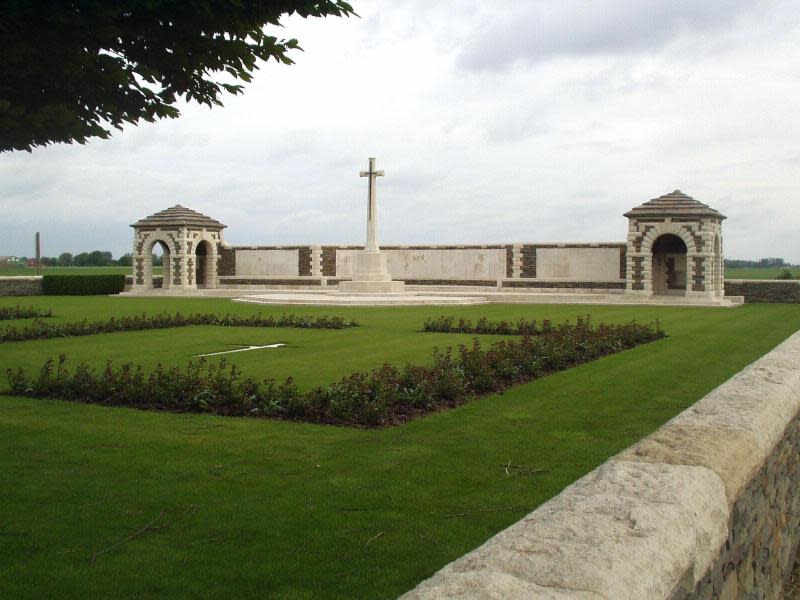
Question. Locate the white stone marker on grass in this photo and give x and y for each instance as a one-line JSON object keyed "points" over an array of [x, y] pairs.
{"points": [[245, 349], [370, 275]]}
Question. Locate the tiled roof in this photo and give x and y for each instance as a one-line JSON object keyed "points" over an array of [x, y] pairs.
{"points": [[676, 203], [179, 216]]}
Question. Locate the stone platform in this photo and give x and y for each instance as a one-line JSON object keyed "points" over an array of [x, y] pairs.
{"points": [[345, 299], [440, 296]]}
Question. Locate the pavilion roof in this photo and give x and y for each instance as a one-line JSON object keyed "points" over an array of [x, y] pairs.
{"points": [[179, 216], [676, 203]]}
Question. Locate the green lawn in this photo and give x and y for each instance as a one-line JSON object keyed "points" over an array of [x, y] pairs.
{"points": [[257, 508], [759, 273], [6, 271]]}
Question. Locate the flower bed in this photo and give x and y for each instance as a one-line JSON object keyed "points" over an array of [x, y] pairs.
{"points": [[39, 330], [8, 313], [381, 397], [484, 326]]}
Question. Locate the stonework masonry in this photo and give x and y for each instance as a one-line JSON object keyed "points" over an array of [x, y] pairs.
{"points": [[674, 248], [760, 290], [20, 286], [707, 507]]}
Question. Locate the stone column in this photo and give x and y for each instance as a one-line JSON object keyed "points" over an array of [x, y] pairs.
{"points": [[316, 261], [516, 265]]}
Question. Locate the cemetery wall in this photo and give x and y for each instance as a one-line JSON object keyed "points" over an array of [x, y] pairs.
{"points": [[586, 266], [21, 286], [706, 507], [764, 290]]}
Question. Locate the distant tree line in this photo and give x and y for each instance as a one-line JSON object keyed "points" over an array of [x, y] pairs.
{"points": [[756, 264], [95, 258]]}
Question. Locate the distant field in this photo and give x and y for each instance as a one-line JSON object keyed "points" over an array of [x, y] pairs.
{"points": [[14, 271], [757, 273]]}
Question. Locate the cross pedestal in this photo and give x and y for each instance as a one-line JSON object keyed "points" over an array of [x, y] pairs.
{"points": [[370, 275]]}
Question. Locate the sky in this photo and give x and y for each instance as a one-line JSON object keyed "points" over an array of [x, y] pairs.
{"points": [[508, 121]]}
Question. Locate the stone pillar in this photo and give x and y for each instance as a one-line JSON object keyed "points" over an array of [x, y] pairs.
{"points": [[516, 264], [316, 261], [182, 244], [211, 266]]}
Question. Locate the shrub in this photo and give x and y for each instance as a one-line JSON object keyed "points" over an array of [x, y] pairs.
{"points": [[483, 326], [39, 330], [785, 274], [381, 397], [18, 312], [82, 285]]}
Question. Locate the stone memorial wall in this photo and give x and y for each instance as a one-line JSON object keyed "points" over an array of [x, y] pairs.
{"points": [[569, 266]]}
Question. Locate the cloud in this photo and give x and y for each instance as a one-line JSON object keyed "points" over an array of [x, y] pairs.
{"points": [[483, 138], [530, 32]]}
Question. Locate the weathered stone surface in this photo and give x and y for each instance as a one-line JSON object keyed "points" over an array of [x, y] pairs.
{"points": [[601, 536], [21, 286], [734, 427], [761, 290]]}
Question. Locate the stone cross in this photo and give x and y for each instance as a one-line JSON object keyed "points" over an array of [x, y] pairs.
{"points": [[372, 208]]}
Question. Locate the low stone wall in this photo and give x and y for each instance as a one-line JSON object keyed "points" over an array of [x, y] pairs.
{"points": [[764, 290], [21, 286], [158, 282], [706, 507]]}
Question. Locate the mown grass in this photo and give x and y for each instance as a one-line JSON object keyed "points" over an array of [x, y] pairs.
{"points": [[287, 510], [760, 273]]}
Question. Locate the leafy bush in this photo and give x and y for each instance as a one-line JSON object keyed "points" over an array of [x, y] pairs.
{"points": [[381, 397], [483, 326], [82, 285], [785, 274], [19, 312], [39, 330]]}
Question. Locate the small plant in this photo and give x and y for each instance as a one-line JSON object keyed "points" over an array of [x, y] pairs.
{"points": [[785, 274], [8, 313], [378, 398], [39, 330]]}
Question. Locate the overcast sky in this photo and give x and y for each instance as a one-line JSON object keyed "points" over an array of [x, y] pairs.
{"points": [[495, 122]]}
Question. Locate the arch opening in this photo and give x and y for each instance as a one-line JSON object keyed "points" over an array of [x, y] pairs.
{"points": [[160, 259], [670, 273], [203, 256]]}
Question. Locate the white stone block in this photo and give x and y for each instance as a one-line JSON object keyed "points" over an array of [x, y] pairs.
{"points": [[578, 264], [457, 263], [267, 263]]}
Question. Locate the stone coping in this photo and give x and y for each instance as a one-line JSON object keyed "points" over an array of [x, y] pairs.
{"points": [[787, 281], [652, 520], [21, 277]]}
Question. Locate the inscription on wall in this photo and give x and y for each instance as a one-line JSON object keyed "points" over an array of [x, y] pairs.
{"points": [[578, 264], [451, 263], [267, 263]]}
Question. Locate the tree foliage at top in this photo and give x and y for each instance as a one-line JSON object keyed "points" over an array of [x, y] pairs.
{"points": [[69, 69]]}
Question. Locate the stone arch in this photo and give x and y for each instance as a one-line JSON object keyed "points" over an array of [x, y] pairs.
{"points": [[669, 266], [659, 266], [146, 254], [674, 229], [205, 261]]}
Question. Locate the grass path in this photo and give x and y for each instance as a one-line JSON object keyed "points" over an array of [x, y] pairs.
{"points": [[245, 508]]}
